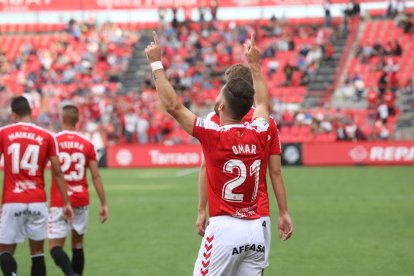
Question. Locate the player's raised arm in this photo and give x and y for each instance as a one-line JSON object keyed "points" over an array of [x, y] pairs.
{"points": [[97, 183], [62, 186], [166, 92], [261, 95]]}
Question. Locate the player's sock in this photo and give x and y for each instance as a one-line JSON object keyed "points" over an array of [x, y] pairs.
{"points": [[38, 265], [62, 260], [8, 264], [78, 260]]}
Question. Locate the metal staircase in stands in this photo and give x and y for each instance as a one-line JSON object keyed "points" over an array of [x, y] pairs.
{"points": [[324, 77], [137, 67]]}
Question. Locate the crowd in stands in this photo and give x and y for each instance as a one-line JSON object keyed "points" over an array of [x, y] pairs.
{"points": [[85, 63]]}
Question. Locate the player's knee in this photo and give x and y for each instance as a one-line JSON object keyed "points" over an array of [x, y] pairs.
{"points": [[53, 250]]}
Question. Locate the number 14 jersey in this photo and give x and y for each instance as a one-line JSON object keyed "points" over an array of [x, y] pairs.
{"points": [[75, 153], [26, 149], [235, 164]]}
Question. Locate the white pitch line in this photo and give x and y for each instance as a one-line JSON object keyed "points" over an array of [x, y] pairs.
{"points": [[186, 172]]}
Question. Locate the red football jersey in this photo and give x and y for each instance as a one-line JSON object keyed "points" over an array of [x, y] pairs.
{"points": [[273, 147], [26, 149], [75, 153], [234, 157]]}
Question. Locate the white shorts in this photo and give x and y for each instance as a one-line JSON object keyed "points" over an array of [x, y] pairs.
{"points": [[59, 228], [231, 246], [267, 238], [18, 220]]}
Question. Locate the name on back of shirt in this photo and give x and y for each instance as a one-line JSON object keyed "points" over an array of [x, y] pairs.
{"points": [[25, 135], [71, 145], [244, 149]]}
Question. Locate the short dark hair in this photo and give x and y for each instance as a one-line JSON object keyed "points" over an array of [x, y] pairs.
{"points": [[239, 71], [239, 97], [70, 115], [20, 105]]}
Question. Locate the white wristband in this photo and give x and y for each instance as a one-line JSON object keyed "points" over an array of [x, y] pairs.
{"points": [[156, 66]]}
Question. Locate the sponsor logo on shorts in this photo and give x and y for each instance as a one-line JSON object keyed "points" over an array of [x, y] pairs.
{"points": [[27, 213], [248, 247]]}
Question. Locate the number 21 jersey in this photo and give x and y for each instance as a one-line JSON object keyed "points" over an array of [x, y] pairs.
{"points": [[235, 166], [75, 153], [26, 149]]}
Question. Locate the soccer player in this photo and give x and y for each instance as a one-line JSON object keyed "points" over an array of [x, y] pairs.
{"points": [[233, 243], [274, 150], [27, 149], [76, 155]]}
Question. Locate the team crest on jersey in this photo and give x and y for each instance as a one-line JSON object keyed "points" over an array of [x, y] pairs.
{"points": [[200, 122], [263, 121]]}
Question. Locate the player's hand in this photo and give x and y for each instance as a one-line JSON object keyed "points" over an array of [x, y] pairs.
{"points": [[285, 227], [103, 213], [201, 223], [253, 54], [153, 51], [68, 212]]}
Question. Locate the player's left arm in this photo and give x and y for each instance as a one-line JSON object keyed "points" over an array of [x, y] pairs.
{"points": [[202, 199], [261, 95], [285, 224], [166, 92], [62, 186], [97, 183]]}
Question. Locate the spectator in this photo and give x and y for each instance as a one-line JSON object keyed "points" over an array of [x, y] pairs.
{"points": [[142, 129], [383, 111], [382, 83], [289, 69], [327, 8], [377, 49], [389, 99], [397, 51], [394, 83], [329, 52], [273, 67], [130, 122]]}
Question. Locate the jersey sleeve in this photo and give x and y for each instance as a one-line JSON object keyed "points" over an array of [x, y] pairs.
{"points": [[1, 142], [53, 146], [275, 148], [205, 131]]}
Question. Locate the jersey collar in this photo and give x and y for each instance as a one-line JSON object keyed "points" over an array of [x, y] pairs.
{"points": [[225, 127]]}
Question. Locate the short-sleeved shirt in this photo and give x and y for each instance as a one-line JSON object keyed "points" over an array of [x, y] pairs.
{"points": [[235, 165], [27, 149], [75, 153], [273, 148]]}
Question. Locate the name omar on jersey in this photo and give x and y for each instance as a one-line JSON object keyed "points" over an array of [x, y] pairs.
{"points": [[244, 149]]}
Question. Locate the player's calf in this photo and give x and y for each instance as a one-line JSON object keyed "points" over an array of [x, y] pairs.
{"points": [[38, 265], [8, 264], [78, 260], [61, 259]]}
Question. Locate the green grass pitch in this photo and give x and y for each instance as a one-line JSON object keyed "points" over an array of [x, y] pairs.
{"points": [[348, 221]]}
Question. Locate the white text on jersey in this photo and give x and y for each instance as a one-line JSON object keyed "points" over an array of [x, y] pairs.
{"points": [[26, 135], [71, 145], [244, 149]]}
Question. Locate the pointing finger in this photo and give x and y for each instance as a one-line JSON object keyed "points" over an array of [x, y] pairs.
{"points": [[252, 39], [156, 39]]}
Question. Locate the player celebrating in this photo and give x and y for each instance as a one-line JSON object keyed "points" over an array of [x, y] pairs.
{"points": [[285, 224], [76, 155], [26, 148], [233, 243]]}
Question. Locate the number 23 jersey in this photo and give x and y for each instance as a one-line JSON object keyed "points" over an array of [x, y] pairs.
{"points": [[75, 153], [235, 165], [26, 149]]}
